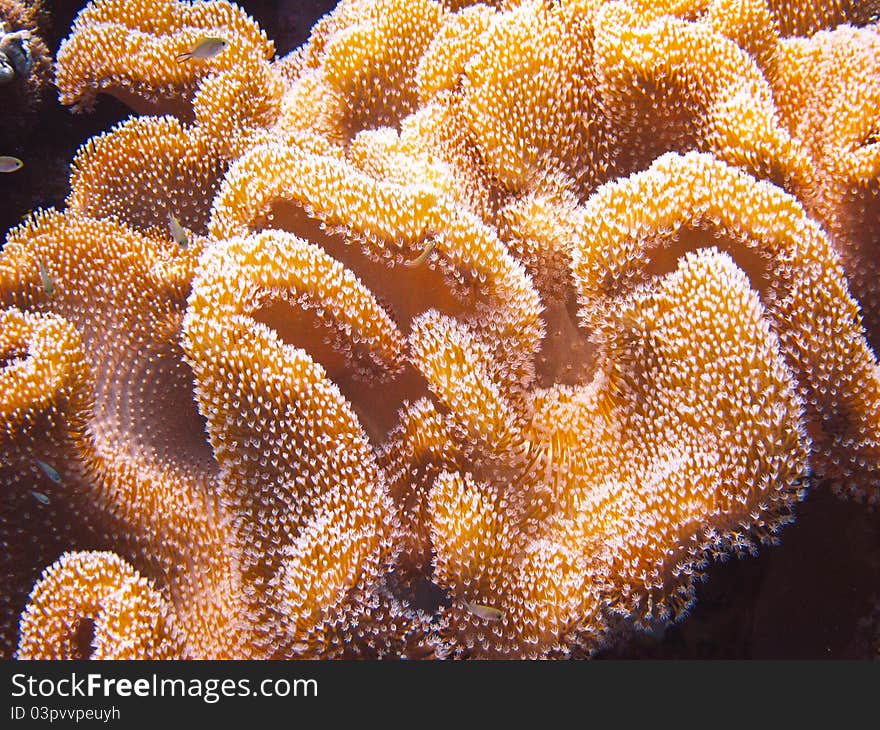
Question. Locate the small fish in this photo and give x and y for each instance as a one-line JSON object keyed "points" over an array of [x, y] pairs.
{"points": [[485, 612], [207, 47], [49, 471], [45, 277], [10, 164], [40, 497], [423, 256], [178, 232]]}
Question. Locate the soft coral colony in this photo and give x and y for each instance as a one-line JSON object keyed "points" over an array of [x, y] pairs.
{"points": [[492, 328]]}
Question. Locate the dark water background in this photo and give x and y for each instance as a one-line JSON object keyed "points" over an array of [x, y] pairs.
{"points": [[817, 595]]}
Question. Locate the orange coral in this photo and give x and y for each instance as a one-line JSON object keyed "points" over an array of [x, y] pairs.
{"points": [[45, 399], [586, 532], [528, 94], [805, 18], [130, 620], [138, 45], [828, 91], [375, 322], [146, 169], [792, 261], [314, 518], [710, 93], [150, 480]]}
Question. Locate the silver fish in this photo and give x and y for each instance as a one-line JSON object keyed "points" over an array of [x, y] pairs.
{"points": [[10, 164], [40, 497], [49, 471], [178, 232], [207, 47], [45, 277], [423, 256], [489, 613]]}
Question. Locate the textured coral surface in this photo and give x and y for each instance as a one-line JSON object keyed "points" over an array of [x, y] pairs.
{"points": [[459, 331]]}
